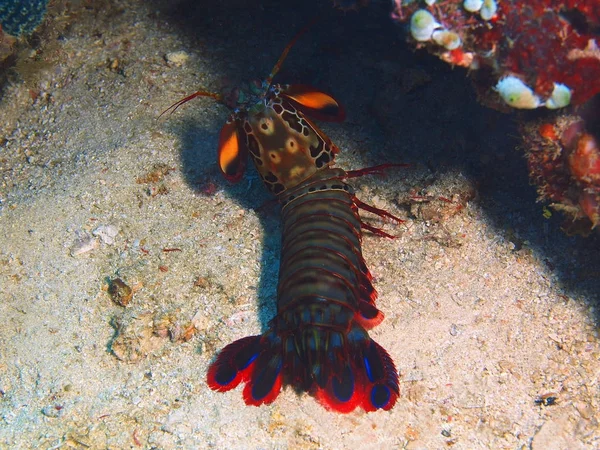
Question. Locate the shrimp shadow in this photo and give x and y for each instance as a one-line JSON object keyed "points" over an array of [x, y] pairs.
{"points": [[198, 159]]}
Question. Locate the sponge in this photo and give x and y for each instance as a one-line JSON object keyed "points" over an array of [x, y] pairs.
{"points": [[19, 17]]}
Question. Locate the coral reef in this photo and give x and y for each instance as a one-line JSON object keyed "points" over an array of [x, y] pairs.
{"points": [[545, 52], [527, 55], [21, 17], [563, 156]]}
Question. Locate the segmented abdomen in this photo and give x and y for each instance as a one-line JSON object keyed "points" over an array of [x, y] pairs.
{"points": [[321, 260]]}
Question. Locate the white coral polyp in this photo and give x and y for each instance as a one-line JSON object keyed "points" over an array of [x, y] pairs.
{"points": [[473, 5], [561, 97], [422, 25], [447, 39], [516, 93], [488, 9]]}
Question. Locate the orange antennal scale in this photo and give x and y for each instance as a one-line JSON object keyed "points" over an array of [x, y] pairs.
{"points": [[177, 104]]}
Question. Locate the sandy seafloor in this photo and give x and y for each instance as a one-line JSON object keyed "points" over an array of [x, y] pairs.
{"points": [[490, 308]]}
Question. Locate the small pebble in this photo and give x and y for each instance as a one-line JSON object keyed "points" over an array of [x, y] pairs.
{"points": [[200, 320], [53, 411], [83, 245], [106, 233], [177, 59], [119, 292], [584, 410]]}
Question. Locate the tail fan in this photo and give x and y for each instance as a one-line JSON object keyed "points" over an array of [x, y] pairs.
{"points": [[342, 370], [255, 360], [368, 378], [382, 389]]}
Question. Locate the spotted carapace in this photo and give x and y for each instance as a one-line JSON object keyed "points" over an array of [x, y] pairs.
{"points": [[318, 341]]}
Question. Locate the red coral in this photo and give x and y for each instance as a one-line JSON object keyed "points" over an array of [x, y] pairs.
{"points": [[542, 42], [537, 43], [564, 162], [584, 161]]}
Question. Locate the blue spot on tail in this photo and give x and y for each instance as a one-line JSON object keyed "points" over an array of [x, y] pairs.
{"points": [[368, 369], [225, 375], [380, 396], [250, 360], [264, 381], [344, 388]]}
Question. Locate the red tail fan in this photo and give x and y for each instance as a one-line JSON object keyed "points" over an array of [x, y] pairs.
{"points": [[342, 372], [253, 360]]}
